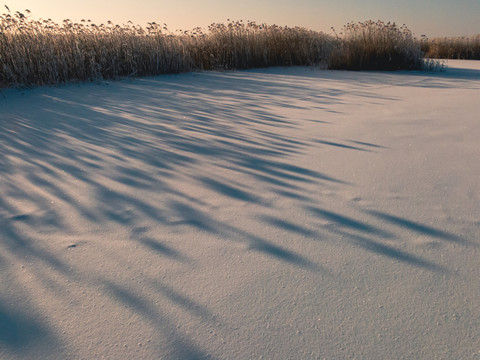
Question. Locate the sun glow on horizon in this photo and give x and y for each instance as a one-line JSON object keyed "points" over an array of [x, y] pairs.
{"points": [[445, 18]]}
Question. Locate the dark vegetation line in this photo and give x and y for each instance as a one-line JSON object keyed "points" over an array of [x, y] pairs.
{"points": [[42, 52], [466, 47]]}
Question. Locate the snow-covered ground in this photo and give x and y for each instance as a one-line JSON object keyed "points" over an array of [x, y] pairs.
{"points": [[286, 213]]}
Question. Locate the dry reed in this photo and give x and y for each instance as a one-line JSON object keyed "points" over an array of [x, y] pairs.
{"points": [[467, 47], [376, 45], [40, 52]]}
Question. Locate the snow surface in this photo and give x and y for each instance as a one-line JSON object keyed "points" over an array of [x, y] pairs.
{"points": [[284, 213]]}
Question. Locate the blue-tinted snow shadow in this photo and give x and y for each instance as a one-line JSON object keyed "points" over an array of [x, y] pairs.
{"points": [[142, 136], [22, 334]]}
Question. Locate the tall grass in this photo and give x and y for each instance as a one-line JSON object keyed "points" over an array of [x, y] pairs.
{"points": [[376, 45], [238, 46], [467, 47], [39, 52], [43, 52]]}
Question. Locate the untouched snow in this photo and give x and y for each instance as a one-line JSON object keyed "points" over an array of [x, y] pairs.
{"points": [[279, 213]]}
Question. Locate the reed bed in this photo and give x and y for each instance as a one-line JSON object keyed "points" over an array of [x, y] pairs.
{"points": [[42, 52], [239, 46], [466, 47], [376, 45]]}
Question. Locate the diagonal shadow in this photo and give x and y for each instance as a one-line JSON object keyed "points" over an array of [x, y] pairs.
{"points": [[179, 346], [23, 247], [281, 253], [391, 252], [163, 249], [342, 146], [418, 227], [185, 302], [363, 143], [24, 335], [114, 157], [288, 226], [229, 190], [347, 222]]}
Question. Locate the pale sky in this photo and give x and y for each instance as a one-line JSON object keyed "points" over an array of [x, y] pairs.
{"points": [[429, 17]]}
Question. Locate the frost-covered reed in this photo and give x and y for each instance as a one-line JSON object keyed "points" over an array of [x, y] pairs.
{"points": [[40, 52], [376, 45], [466, 47]]}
